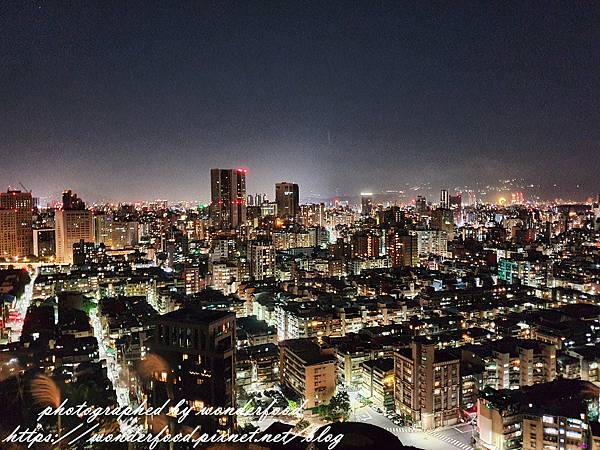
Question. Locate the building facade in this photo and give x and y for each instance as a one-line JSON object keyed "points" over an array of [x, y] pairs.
{"points": [[427, 384], [287, 198], [22, 205], [73, 224], [228, 198]]}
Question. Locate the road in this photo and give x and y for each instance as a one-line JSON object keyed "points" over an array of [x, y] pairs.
{"points": [[21, 306], [112, 367], [445, 439]]}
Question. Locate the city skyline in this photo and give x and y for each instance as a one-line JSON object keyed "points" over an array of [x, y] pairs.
{"points": [[299, 224], [336, 99], [495, 191]]}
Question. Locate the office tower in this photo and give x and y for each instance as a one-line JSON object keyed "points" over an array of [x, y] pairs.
{"points": [[259, 199], [262, 260], [21, 203], [444, 199], [288, 199], [198, 350], [73, 225], [472, 201], [228, 198], [427, 384], [366, 203]]}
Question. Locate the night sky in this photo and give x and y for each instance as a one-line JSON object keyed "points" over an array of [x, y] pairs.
{"points": [[132, 100]]}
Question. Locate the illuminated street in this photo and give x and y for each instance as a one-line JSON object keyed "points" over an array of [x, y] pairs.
{"points": [[438, 440], [20, 309], [112, 367]]}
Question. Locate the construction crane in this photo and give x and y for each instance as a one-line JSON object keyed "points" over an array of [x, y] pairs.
{"points": [[24, 188]]}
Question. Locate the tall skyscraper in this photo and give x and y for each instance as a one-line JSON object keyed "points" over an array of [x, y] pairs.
{"points": [[21, 203], [287, 197], [74, 224], [228, 197], [444, 199]]}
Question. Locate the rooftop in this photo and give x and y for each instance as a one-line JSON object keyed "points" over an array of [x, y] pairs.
{"points": [[195, 316]]}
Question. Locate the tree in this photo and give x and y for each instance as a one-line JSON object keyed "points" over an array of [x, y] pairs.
{"points": [[338, 408]]}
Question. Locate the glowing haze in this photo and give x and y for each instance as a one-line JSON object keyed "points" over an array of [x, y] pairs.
{"points": [[139, 100]]}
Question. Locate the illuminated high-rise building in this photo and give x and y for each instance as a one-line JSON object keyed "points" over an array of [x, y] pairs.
{"points": [[472, 198], [262, 259], [365, 245], [115, 234], [402, 249], [287, 198], [21, 203], [8, 233], [455, 205], [192, 280], [444, 199], [74, 224], [427, 384], [228, 197]]}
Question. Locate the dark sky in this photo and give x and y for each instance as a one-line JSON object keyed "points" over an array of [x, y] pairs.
{"points": [[131, 100]]}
